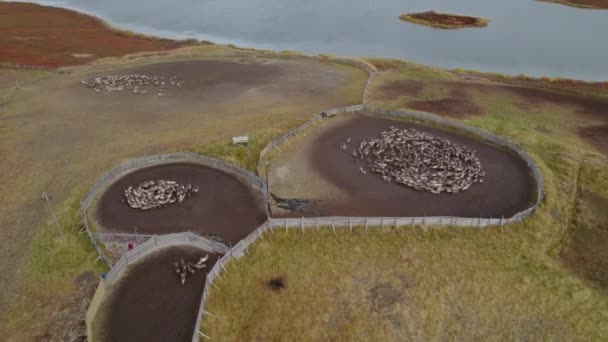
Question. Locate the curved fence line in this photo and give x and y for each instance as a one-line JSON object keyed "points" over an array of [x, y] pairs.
{"points": [[152, 244], [241, 248], [426, 117], [138, 163], [162, 241], [302, 224]]}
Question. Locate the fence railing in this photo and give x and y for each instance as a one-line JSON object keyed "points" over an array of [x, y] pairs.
{"points": [[242, 247], [162, 241], [135, 164], [426, 117]]}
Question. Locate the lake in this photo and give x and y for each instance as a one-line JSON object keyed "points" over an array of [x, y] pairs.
{"points": [[524, 36]]}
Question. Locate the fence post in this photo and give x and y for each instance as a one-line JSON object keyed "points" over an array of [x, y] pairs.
{"points": [[350, 223], [366, 222], [382, 222], [285, 224], [302, 224], [333, 226], [317, 223], [222, 265], [424, 220]]}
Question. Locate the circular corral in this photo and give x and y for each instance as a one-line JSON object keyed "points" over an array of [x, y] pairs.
{"points": [[338, 183], [224, 206], [148, 302]]}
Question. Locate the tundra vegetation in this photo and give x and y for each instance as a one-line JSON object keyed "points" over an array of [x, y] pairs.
{"points": [[443, 20], [543, 278], [540, 279]]}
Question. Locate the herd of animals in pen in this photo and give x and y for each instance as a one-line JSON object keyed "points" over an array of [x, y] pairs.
{"points": [[183, 268], [419, 160], [135, 83], [405, 157], [157, 193]]}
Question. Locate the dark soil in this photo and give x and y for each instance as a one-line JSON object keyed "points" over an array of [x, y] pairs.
{"points": [[224, 206], [596, 136], [223, 80], [276, 284], [150, 304], [458, 104], [396, 89], [508, 186]]}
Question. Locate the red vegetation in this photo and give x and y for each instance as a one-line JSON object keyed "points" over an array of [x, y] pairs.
{"points": [[45, 36]]}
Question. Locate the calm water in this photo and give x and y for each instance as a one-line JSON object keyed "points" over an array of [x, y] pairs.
{"points": [[524, 36]]}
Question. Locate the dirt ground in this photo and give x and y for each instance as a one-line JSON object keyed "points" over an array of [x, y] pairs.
{"points": [[223, 207], [32, 34], [507, 188], [148, 303], [58, 124]]}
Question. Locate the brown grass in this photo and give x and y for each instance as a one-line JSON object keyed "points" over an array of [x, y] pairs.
{"points": [[443, 20], [46, 36], [450, 283]]}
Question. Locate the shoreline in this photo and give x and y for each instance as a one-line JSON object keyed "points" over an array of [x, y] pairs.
{"points": [[536, 68], [576, 5]]}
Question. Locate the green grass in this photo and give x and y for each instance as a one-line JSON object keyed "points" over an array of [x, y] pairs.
{"points": [[439, 283], [54, 262], [245, 156]]}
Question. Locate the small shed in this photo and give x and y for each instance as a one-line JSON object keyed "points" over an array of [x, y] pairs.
{"points": [[240, 140]]}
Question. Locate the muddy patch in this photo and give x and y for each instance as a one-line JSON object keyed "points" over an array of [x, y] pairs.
{"points": [[396, 89], [224, 205], [597, 136], [149, 304], [586, 253], [508, 186], [458, 104], [384, 297]]}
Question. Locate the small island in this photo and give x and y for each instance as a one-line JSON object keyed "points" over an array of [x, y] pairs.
{"points": [[443, 20], [589, 4]]}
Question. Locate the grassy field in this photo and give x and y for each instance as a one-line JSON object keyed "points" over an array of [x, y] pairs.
{"points": [[59, 138], [543, 279]]}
